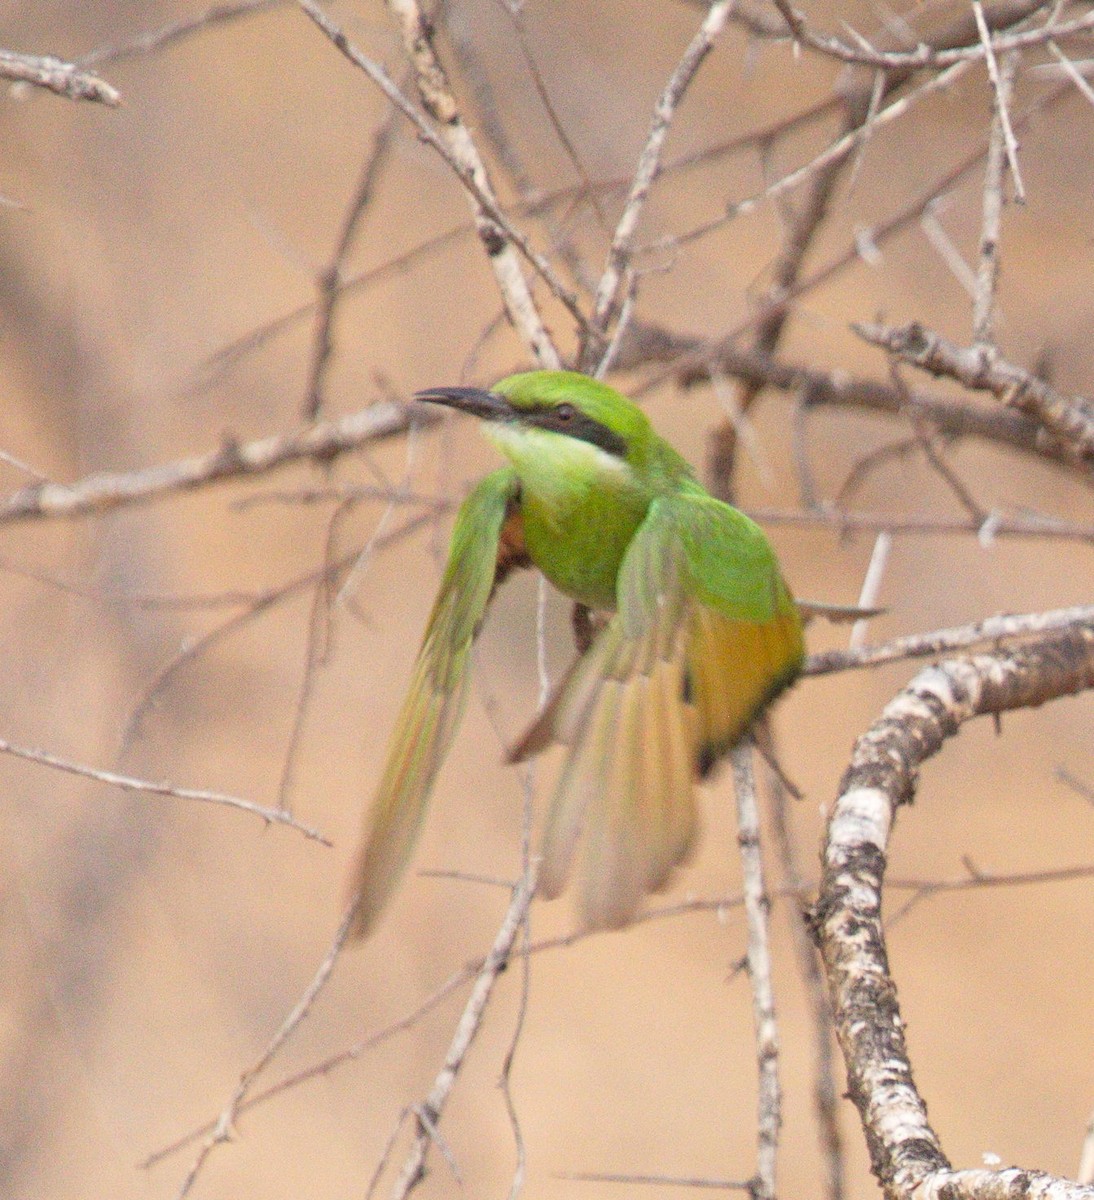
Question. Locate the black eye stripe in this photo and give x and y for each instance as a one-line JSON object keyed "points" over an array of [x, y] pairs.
{"points": [[566, 418]]}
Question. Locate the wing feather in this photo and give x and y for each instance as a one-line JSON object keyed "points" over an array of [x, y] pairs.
{"points": [[704, 635], [483, 549]]}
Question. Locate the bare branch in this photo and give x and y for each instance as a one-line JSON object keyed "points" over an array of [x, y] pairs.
{"points": [[906, 1154], [98, 494], [757, 910], [994, 525], [329, 282], [1002, 83], [179, 30], [607, 292], [928, 54], [983, 312], [1070, 419], [683, 1181], [429, 1113], [826, 1099], [224, 1128], [944, 641], [57, 76], [272, 816]]}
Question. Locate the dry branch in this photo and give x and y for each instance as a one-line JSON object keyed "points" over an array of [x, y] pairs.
{"points": [[98, 494], [126, 783], [944, 641], [649, 161], [1069, 419], [429, 1113], [765, 1027], [57, 76], [929, 53], [439, 101], [906, 1155]]}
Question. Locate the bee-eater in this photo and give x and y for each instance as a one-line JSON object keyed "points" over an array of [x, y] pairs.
{"points": [[702, 634]]}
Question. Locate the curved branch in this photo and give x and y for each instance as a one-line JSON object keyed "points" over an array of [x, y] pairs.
{"points": [[905, 1153]]}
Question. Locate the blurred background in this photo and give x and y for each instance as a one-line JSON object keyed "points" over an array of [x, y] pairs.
{"points": [[151, 947]]}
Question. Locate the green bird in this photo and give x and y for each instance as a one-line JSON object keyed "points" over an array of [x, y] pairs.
{"points": [[702, 634]]}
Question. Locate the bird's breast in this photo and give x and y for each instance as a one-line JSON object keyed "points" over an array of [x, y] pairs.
{"points": [[580, 546]]}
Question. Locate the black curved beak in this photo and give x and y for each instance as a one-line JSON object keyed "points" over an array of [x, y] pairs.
{"points": [[476, 401]]}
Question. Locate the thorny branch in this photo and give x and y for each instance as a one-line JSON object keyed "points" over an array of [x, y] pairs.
{"points": [[905, 1152], [928, 54], [1068, 419]]}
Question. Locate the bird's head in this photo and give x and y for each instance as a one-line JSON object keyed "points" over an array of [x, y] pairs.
{"points": [[551, 420]]}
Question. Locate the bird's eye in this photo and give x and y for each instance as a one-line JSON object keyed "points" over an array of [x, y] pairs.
{"points": [[565, 412]]}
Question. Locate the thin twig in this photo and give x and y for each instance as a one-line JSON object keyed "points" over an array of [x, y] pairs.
{"points": [[1002, 88], [925, 55], [987, 273], [329, 280], [996, 525], [611, 280], [127, 783], [757, 910], [223, 1130], [871, 586], [178, 31], [413, 1170], [942, 641], [826, 1099], [683, 1181]]}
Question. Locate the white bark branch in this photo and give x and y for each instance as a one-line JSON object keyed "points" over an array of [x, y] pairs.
{"points": [[757, 911], [906, 1154]]}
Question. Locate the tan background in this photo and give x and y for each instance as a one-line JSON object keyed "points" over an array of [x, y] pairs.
{"points": [[150, 948]]}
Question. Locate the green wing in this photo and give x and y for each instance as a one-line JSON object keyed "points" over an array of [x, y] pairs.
{"points": [[704, 635], [479, 556]]}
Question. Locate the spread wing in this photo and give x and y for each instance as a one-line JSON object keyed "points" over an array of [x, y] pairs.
{"points": [[486, 544], [705, 634]]}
